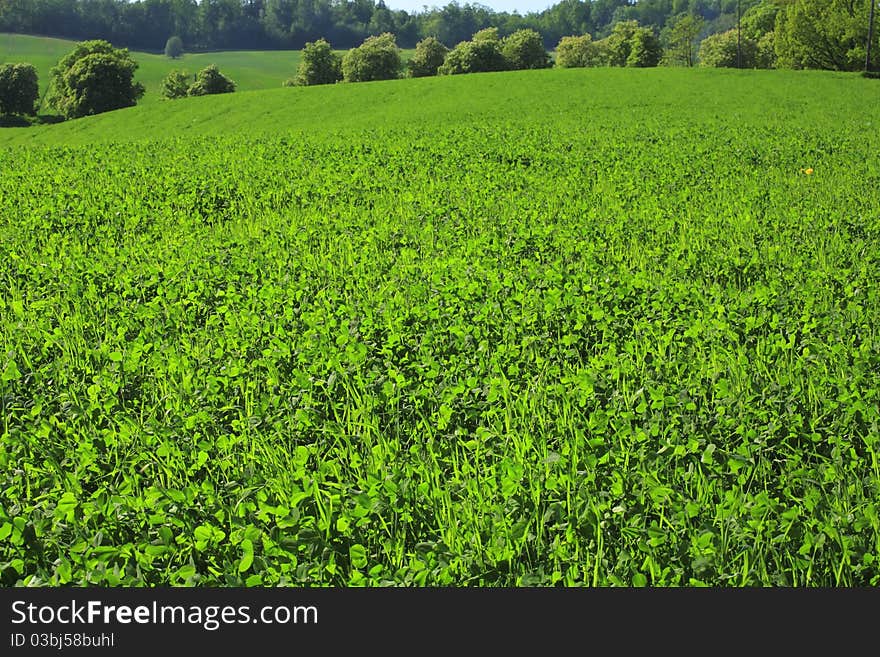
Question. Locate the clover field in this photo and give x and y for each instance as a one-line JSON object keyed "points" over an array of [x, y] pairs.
{"points": [[602, 328]]}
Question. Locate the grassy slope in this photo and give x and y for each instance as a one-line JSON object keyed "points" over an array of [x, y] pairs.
{"points": [[42, 52], [249, 69], [600, 327], [573, 97]]}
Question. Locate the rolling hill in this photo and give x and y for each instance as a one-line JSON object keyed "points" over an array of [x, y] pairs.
{"points": [[578, 98], [250, 70], [607, 327]]}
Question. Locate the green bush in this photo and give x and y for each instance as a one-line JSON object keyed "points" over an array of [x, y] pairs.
{"points": [[176, 85], [211, 81], [765, 51], [524, 49], [576, 52], [319, 65], [174, 47], [487, 34], [428, 58], [19, 89], [480, 55], [645, 49], [93, 78], [719, 50], [824, 34], [377, 58], [617, 48]]}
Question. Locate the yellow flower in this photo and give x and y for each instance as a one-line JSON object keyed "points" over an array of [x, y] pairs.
{"points": [[809, 171]]}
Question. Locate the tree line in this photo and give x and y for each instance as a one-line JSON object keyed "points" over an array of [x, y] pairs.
{"points": [[290, 24], [805, 33], [829, 34]]}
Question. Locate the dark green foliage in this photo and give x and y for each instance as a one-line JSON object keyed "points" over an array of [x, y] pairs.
{"points": [[176, 85], [680, 36], [377, 58], [428, 57], [576, 52], [480, 55], [319, 65], [815, 33], [19, 89], [94, 78], [174, 47], [760, 19], [211, 81], [765, 51], [524, 49], [645, 49], [617, 49], [806, 33], [825, 34], [287, 24]]}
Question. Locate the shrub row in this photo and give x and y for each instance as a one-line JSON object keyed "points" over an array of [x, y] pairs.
{"points": [[378, 57]]}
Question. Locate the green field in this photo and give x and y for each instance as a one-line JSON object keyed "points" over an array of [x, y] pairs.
{"points": [[571, 327]]}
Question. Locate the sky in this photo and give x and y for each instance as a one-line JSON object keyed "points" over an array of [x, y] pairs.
{"points": [[522, 6]]}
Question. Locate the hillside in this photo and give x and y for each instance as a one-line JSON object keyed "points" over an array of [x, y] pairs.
{"points": [[605, 327], [575, 98], [250, 70]]}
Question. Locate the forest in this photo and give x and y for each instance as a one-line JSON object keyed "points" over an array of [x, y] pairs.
{"points": [[290, 24]]}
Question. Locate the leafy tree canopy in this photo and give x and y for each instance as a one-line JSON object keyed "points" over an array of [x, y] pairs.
{"points": [[576, 52], [377, 58], [319, 65], [176, 85], [19, 89], [720, 51], [482, 54], [174, 47], [826, 34], [428, 57], [93, 78], [524, 49], [211, 81]]}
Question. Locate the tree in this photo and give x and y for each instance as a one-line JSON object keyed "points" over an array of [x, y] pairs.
{"points": [[482, 54], [524, 49], [563, 18], [176, 85], [824, 34], [489, 34], [576, 52], [617, 48], [211, 81], [765, 54], [428, 57], [645, 49], [680, 36], [94, 78], [174, 47], [759, 19], [19, 89], [377, 58], [319, 65], [758, 24], [720, 50]]}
